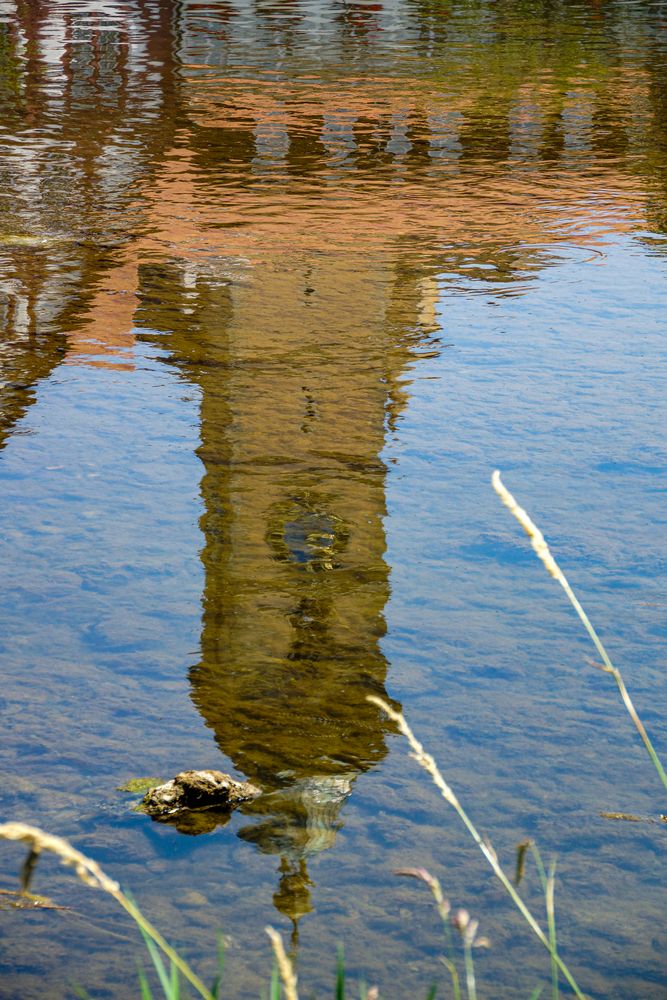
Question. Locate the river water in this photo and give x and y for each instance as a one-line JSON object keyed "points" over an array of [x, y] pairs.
{"points": [[281, 283]]}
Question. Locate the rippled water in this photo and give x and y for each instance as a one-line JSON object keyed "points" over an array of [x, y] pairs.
{"points": [[280, 284]]}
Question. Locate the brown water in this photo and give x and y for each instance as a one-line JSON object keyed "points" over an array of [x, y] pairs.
{"points": [[281, 283]]}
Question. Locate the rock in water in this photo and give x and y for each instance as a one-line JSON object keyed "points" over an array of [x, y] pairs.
{"points": [[194, 790]]}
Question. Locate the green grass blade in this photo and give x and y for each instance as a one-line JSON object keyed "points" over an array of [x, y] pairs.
{"points": [[143, 984], [146, 928], [160, 968], [537, 992], [551, 926], [217, 982], [175, 984], [548, 882], [340, 975], [275, 984], [471, 986], [539, 864], [451, 968], [432, 992]]}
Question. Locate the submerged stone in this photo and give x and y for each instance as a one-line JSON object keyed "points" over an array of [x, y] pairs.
{"points": [[192, 791], [136, 785]]}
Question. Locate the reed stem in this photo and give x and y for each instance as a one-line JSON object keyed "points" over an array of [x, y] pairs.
{"points": [[92, 875], [543, 553], [426, 761], [285, 968]]}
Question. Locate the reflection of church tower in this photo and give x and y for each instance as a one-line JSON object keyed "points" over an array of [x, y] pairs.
{"points": [[297, 360]]}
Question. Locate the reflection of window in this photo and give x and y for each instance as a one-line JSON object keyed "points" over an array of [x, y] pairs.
{"points": [[303, 531]]}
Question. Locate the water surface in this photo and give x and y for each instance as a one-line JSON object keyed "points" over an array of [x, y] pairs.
{"points": [[281, 284]]}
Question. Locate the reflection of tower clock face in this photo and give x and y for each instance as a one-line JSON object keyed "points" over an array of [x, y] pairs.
{"points": [[303, 531]]}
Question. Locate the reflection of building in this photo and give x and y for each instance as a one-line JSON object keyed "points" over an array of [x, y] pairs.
{"points": [[80, 104], [222, 165], [297, 361], [106, 111]]}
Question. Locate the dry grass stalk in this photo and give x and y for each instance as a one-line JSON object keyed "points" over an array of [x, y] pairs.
{"points": [[287, 973], [92, 875], [37, 840], [442, 904], [426, 761], [444, 909], [544, 554]]}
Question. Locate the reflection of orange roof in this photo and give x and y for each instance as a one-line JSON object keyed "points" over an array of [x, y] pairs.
{"points": [[476, 209], [191, 210], [504, 203], [107, 330], [224, 101]]}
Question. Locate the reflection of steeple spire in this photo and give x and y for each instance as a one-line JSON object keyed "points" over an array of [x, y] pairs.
{"points": [[292, 898]]}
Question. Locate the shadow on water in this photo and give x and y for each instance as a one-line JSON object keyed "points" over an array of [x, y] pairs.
{"points": [[266, 194]]}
